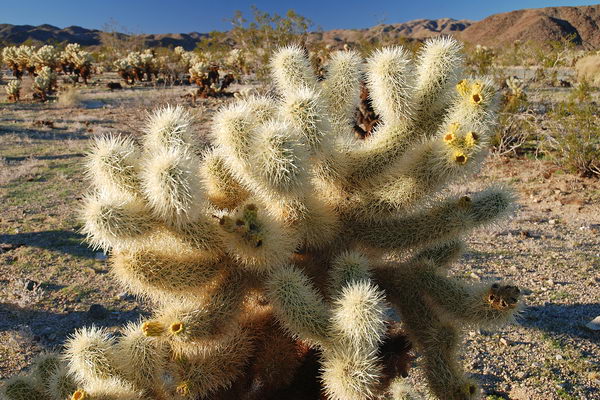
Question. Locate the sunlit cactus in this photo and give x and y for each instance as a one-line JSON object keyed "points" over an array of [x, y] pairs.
{"points": [[74, 60], [46, 56], [44, 83], [13, 90], [288, 227]]}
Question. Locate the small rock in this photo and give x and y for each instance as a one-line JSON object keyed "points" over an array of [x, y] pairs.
{"points": [[97, 311], [31, 285], [594, 325], [552, 222], [559, 357]]}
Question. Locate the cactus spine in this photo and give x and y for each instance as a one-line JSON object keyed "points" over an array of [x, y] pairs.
{"points": [[289, 218]]}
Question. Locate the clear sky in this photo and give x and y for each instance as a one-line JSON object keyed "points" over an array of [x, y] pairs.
{"points": [[160, 16]]}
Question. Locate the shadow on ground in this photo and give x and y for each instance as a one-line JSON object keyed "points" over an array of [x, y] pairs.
{"points": [[53, 328], [67, 242], [562, 319]]}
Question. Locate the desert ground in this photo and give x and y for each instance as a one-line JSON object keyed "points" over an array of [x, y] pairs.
{"points": [[52, 283]]}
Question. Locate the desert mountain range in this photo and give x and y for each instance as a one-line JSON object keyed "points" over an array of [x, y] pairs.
{"points": [[542, 24]]}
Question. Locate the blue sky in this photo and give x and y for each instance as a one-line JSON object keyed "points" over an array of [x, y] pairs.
{"points": [[154, 16]]}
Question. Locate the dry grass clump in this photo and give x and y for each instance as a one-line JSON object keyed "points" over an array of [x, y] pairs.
{"points": [[69, 98], [588, 69], [27, 169]]}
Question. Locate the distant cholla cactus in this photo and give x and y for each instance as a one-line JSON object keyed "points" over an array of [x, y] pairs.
{"points": [[44, 84], [19, 59], [76, 61], [289, 234], [13, 90], [198, 71], [9, 55], [46, 56], [25, 58], [516, 86]]}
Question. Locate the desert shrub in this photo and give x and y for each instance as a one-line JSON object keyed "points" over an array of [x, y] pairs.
{"points": [[573, 140], [588, 69], [69, 97], [480, 60]]}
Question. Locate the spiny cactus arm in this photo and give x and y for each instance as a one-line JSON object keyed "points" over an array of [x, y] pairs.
{"points": [[254, 239], [389, 76], [280, 161], [438, 67], [205, 373], [351, 367], [107, 389], [171, 185], [358, 317], [441, 255], [341, 89], [266, 157], [456, 151], [168, 128], [160, 274], [451, 218], [112, 162], [291, 70], [114, 219], [297, 305], [482, 305], [44, 366], [413, 110], [141, 359], [21, 388], [223, 190], [61, 384], [350, 376], [445, 376], [438, 341], [204, 322], [89, 353], [347, 267]]}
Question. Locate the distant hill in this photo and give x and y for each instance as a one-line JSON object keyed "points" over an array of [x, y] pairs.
{"points": [[17, 34], [541, 24]]}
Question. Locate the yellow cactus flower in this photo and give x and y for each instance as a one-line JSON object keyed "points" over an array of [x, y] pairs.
{"points": [[177, 327], [79, 395], [471, 139], [460, 157], [463, 87], [476, 96], [153, 328], [183, 389], [450, 136]]}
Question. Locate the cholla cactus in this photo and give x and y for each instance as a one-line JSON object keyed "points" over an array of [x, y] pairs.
{"points": [[76, 61], [46, 56], [19, 59], [25, 58], [44, 84], [198, 71], [13, 90], [289, 217], [516, 86], [9, 54]]}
